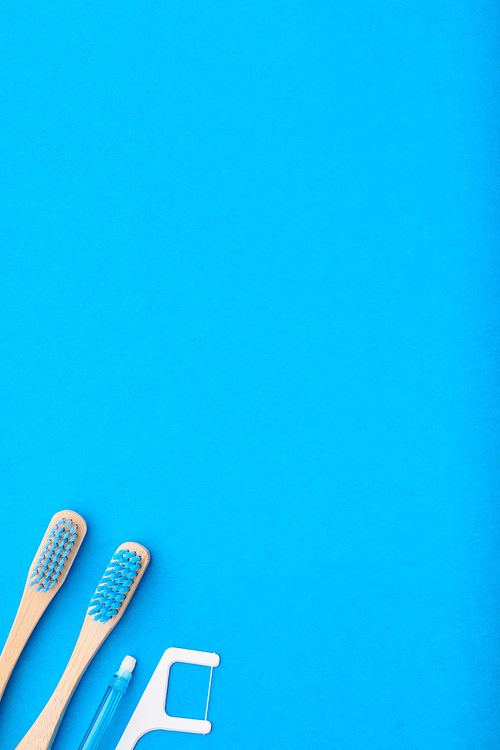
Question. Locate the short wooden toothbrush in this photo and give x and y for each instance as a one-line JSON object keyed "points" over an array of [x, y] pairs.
{"points": [[110, 600]]}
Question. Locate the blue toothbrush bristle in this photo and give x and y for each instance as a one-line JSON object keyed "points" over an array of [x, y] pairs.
{"points": [[50, 564], [114, 586]]}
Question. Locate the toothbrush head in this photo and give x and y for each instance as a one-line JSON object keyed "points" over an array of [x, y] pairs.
{"points": [[57, 551], [118, 583]]}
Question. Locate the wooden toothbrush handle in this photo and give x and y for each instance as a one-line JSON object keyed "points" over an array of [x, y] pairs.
{"points": [[30, 610], [43, 732]]}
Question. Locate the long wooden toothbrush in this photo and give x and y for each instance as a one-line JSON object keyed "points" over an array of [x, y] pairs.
{"points": [[48, 572]]}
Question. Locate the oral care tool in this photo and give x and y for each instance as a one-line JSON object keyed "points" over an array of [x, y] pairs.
{"points": [[150, 713], [116, 688]]}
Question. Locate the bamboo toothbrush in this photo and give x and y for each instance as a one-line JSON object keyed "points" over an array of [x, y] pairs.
{"points": [[109, 602], [47, 574]]}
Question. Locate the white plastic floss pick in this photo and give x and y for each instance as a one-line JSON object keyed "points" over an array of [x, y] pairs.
{"points": [[150, 713]]}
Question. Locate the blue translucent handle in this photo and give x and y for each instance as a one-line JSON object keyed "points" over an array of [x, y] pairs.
{"points": [[102, 719]]}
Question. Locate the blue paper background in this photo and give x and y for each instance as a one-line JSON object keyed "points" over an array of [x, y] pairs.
{"points": [[249, 318]]}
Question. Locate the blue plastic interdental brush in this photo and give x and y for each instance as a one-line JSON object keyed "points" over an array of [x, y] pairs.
{"points": [[117, 686]]}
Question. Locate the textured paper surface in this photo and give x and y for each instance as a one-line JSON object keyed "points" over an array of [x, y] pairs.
{"points": [[249, 318]]}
